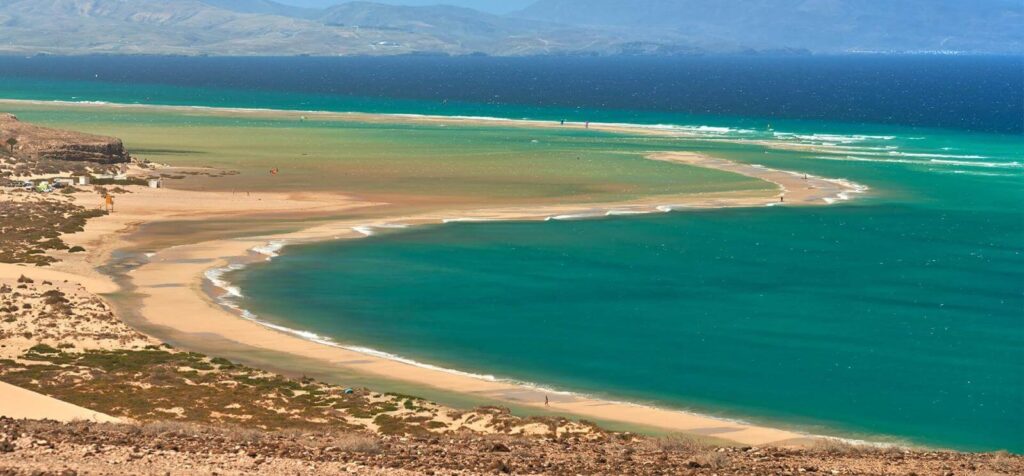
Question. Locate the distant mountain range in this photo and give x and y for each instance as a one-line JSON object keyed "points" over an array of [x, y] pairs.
{"points": [[593, 27], [818, 25]]}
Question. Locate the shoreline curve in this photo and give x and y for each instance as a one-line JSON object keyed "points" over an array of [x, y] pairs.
{"points": [[173, 281]]}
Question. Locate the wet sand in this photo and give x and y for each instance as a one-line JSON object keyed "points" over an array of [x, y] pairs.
{"points": [[172, 290]]}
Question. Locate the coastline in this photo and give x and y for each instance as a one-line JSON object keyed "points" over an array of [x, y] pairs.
{"points": [[171, 285], [655, 129], [172, 289]]}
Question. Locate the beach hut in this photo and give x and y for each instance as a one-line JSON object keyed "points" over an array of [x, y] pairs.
{"points": [[84, 179], [154, 183]]}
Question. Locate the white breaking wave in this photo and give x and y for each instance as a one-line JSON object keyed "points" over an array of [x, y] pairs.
{"points": [[612, 213], [848, 189], [958, 163], [216, 277], [466, 220], [715, 131], [858, 148], [937, 156], [576, 216], [369, 230], [364, 230], [994, 165], [271, 249], [973, 172], [831, 138]]}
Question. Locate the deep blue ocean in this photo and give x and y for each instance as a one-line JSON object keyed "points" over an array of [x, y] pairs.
{"points": [[978, 93], [895, 315]]}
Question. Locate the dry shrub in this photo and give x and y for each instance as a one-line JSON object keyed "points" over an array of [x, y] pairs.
{"points": [[293, 434], [356, 443], [837, 447], [680, 443], [345, 442], [1003, 462], [174, 428], [713, 460], [244, 435]]}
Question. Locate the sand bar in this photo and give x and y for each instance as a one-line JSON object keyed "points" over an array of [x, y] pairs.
{"points": [[171, 286]]}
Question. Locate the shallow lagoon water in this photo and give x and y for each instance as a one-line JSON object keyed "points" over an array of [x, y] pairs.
{"points": [[896, 315], [399, 163]]}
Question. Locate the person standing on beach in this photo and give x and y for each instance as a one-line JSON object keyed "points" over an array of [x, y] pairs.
{"points": [[547, 402], [108, 200]]}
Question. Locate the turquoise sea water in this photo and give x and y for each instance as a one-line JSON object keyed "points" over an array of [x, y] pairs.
{"points": [[896, 315], [899, 314]]}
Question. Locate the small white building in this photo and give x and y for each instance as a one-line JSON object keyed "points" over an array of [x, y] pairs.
{"points": [[155, 183], [84, 179]]}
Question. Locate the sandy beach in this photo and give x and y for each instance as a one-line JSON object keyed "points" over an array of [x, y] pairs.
{"points": [[171, 284], [171, 289]]}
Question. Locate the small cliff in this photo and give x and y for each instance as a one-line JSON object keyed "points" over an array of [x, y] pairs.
{"points": [[42, 142]]}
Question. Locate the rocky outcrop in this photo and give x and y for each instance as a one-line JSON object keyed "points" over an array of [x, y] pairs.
{"points": [[47, 447], [42, 142]]}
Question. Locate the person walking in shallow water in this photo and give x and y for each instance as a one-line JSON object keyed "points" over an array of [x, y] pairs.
{"points": [[546, 401]]}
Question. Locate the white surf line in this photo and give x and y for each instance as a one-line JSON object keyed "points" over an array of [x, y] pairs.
{"points": [[273, 247], [231, 294], [310, 336], [672, 130]]}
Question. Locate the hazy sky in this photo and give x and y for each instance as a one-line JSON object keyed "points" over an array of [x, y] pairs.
{"points": [[497, 6]]}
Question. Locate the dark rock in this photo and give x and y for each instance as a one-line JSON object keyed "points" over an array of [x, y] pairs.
{"points": [[499, 467]]}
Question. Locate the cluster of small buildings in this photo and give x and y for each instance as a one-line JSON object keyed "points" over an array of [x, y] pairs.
{"points": [[47, 186]]}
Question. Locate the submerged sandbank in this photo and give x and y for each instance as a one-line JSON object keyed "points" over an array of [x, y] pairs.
{"points": [[170, 287]]}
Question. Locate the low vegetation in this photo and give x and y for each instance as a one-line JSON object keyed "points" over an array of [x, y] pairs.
{"points": [[32, 228]]}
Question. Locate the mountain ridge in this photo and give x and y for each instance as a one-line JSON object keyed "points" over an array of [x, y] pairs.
{"points": [[562, 27], [823, 25]]}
